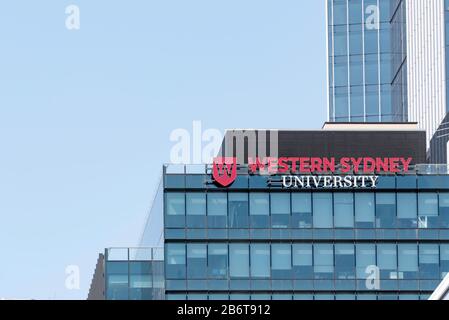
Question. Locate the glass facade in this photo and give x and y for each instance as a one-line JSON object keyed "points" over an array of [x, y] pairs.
{"points": [[255, 240], [134, 274], [367, 61]]}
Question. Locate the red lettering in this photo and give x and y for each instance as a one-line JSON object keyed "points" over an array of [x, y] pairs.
{"points": [[356, 164], [345, 166], [283, 166], [316, 165], [329, 165], [366, 165], [304, 165], [382, 165], [294, 162], [406, 163], [394, 165]]}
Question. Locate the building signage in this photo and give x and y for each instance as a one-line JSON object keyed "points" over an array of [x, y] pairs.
{"points": [[314, 173]]}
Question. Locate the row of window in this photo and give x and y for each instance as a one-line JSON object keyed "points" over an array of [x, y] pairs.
{"points": [[319, 296], [408, 210], [342, 12], [306, 261]]}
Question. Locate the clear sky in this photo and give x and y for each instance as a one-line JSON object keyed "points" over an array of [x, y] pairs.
{"points": [[85, 115]]}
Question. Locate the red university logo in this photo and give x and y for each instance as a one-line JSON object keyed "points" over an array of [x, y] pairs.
{"points": [[225, 171]]}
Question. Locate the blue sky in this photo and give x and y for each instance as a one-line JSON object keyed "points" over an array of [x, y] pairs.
{"points": [[85, 116]]}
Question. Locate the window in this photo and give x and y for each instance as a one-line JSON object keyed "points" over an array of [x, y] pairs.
{"points": [[408, 261], [301, 210], [364, 210], [428, 210], [280, 210], [260, 261], [239, 260], [259, 206], [218, 260], [117, 279], [444, 210], [429, 260], [302, 261], [196, 261], [176, 261], [281, 261], [217, 209], [407, 210], [365, 257], [386, 261], [196, 210], [344, 261], [344, 210], [175, 210], [322, 210], [323, 255], [238, 210], [386, 210], [444, 260], [140, 281]]}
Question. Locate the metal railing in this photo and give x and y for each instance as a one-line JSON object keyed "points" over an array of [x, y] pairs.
{"points": [[134, 254]]}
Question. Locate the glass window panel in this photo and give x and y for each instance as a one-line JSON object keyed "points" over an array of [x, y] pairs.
{"points": [[140, 281], [238, 210], [175, 204], [340, 12], [444, 210], [357, 104], [176, 260], [365, 257], [196, 204], [364, 210], [408, 261], [444, 260], [322, 210], [117, 267], [340, 40], [344, 210], [260, 260], [217, 204], [238, 260], [280, 203], [217, 209], [341, 100], [429, 259], [175, 210], [218, 260], [323, 255], [196, 261], [386, 260], [386, 210], [280, 210], [302, 261], [281, 261], [407, 210], [196, 210], [301, 210], [428, 210], [344, 261], [259, 204]]}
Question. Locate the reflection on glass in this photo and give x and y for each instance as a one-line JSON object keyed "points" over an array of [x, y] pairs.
{"points": [[238, 210], [322, 210], [280, 210], [259, 210], [364, 210], [301, 210]]}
